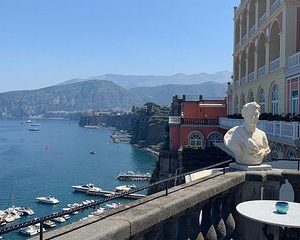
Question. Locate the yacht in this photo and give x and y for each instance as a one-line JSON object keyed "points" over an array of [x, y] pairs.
{"points": [[9, 218], [30, 230], [86, 188], [28, 121], [112, 205], [35, 124], [48, 200]]}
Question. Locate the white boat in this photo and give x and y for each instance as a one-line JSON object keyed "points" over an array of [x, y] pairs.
{"points": [[30, 230], [66, 209], [9, 218], [48, 200], [86, 188], [112, 205], [26, 211], [66, 217], [28, 121], [59, 219], [74, 213], [35, 124], [49, 224], [125, 188]]}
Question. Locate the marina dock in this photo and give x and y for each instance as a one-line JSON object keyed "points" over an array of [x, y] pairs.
{"points": [[103, 193]]}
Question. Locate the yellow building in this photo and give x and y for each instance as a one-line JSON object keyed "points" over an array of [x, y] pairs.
{"points": [[266, 68], [266, 55]]}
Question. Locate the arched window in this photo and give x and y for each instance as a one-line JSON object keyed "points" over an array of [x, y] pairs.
{"points": [[262, 100], [277, 151], [243, 100], [195, 140], [214, 138], [291, 154], [250, 96], [275, 99]]}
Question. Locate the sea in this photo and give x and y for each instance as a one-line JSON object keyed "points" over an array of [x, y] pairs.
{"points": [[51, 160]]}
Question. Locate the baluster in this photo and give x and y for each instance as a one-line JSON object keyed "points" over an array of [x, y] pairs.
{"points": [[227, 216], [183, 226], [169, 229], [194, 226], [219, 222], [208, 231]]}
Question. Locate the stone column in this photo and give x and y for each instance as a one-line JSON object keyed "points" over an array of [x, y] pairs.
{"points": [[194, 226], [255, 63], [240, 29], [268, 7], [208, 231], [256, 14], [282, 50], [218, 219], [267, 60]]}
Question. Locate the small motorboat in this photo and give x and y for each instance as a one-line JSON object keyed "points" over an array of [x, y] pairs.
{"points": [[26, 211], [33, 129], [92, 152], [49, 224], [125, 188], [59, 219], [48, 200], [28, 121], [66, 217], [30, 230]]}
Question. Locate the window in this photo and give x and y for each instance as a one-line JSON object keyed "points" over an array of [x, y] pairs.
{"points": [[261, 100], [214, 138], [195, 140], [294, 102], [291, 154], [275, 100], [250, 96], [277, 151]]}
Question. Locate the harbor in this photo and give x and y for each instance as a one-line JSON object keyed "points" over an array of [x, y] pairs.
{"points": [[48, 163]]}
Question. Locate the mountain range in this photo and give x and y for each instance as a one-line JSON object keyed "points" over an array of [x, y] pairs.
{"points": [[74, 96], [132, 81]]}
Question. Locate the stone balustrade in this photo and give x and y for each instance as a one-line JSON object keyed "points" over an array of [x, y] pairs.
{"points": [[289, 130], [202, 209]]}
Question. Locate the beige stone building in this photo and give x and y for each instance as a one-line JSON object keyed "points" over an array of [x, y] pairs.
{"points": [[266, 55], [266, 68]]}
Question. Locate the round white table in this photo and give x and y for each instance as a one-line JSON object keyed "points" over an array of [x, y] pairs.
{"points": [[264, 211]]}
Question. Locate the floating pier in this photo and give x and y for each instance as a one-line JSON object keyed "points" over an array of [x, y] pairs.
{"points": [[131, 176], [103, 193]]}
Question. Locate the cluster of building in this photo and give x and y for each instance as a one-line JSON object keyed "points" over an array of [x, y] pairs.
{"points": [[266, 69]]}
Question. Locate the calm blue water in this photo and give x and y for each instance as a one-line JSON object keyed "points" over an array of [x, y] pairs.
{"points": [[29, 169]]}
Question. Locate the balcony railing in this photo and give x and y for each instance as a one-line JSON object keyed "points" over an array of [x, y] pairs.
{"points": [[294, 60], [199, 121], [261, 71], [243, 80], [174, 120], [244, 38], [192, 121], [238, 45], [289, 130], [252, 30], [274, 6], [251, 76], [202, 206], [262, 19], [274, 65]]}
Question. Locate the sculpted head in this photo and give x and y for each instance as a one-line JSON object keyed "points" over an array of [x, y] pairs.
{"points": [[250, 113]]}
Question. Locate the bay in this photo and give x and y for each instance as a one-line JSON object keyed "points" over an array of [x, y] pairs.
{"points": [[51, 160]]}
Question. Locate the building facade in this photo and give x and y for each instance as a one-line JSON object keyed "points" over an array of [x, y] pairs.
{"points": [[194, 122], [266, 68], [266, 56]]}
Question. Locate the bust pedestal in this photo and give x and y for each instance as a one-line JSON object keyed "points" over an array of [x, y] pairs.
{"points": [[261, 167]]}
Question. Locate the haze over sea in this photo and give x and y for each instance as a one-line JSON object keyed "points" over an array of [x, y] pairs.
{"points": [[56, 157]]}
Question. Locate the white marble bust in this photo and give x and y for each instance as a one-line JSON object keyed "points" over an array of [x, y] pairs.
{"points": [[248, 143]]}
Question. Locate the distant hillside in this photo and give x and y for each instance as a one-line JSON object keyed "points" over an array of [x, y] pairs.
{"points": [[163, 94], [131, 81], [97, 95]]}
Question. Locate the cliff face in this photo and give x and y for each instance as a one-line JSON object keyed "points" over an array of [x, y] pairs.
{"points": [[147, 124]]}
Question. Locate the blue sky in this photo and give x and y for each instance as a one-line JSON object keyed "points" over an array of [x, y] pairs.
{"points": [[44, 42]]}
